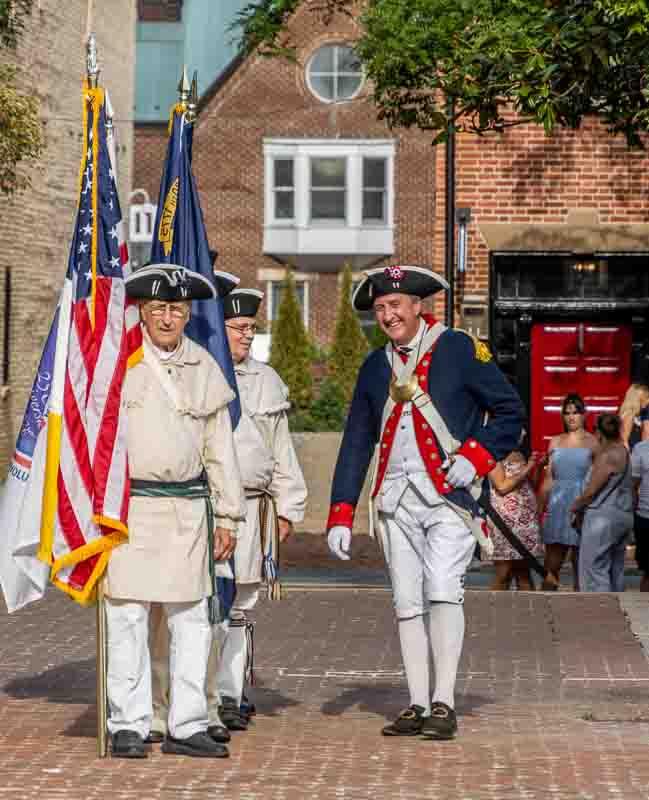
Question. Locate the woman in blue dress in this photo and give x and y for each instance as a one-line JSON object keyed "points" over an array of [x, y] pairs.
{"points": [[570, 456]]}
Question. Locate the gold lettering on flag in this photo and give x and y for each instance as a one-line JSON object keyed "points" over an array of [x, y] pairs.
{"points": [[166, 232]]}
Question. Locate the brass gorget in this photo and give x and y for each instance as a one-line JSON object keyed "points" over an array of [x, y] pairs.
{"points": [[403, 392]]}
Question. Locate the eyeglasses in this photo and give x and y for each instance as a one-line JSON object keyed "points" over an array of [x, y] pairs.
{"points": [[159, 310], [242, 330]]}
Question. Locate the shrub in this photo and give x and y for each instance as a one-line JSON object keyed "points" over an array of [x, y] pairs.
{"points": [[290, 351]]}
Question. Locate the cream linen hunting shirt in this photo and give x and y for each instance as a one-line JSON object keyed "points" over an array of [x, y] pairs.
{"points": [[263, 440], [166, 556]]}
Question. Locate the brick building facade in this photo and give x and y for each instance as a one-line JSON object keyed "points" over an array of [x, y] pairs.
{"points": [[558, 230], [37, 224]]}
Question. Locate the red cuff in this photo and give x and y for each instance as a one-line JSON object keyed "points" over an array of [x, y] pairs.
{"points": [[481, 458], [341, 514]]}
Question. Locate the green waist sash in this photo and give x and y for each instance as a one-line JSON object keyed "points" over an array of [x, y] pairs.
{"points": [[194, 489]]}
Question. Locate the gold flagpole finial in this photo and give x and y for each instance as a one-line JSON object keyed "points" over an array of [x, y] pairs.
{"points": [[183, 88], [91, 61], [192, 102]]}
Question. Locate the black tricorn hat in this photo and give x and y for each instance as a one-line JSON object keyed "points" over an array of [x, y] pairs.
{"points": [[172, 282], [242, 303], [399, 279]]}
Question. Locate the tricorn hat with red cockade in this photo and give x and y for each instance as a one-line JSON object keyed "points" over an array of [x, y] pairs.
{"points": [[399, 279]]}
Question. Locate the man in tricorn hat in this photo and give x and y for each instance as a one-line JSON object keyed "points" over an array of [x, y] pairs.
{"points": [[186, 502], [440, 414], [275, 500]]}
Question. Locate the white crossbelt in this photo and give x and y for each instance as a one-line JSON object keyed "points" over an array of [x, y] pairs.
{"points": [[423, 402]]}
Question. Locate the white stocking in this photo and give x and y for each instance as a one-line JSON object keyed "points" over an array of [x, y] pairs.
{"points": [[414, 652], [446, 628]]}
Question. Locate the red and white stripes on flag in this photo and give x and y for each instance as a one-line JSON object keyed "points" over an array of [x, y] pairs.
{"points": [[86, 492]]}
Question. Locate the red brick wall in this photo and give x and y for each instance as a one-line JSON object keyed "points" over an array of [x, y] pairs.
{"points": [[519, 176], [525, 176], [268, 98], [150, 152]]}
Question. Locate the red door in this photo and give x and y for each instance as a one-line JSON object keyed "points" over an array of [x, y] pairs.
{"points": [[591, 359]]}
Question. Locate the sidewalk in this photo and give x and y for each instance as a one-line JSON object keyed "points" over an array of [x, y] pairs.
{"points": [[553, 701]]}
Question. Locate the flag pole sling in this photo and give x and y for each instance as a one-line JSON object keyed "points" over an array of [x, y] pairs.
{"points": [[102, 696]]}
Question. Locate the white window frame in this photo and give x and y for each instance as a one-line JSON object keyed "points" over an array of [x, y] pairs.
{"points": [[298, 278], [275, 189], [141, 222], [301, 151], [335, 74]]}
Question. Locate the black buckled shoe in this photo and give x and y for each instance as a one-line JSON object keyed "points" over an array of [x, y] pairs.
{"points": [[200, 745], [219, 733], [247, 708], [442, 723], [127, 744], [409, 723], [231, 715]]}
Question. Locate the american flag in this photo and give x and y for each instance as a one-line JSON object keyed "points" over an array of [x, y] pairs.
{"points": [[85, 497]]}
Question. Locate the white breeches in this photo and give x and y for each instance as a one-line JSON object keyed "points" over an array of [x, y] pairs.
{"points": [[227, 671], [428, 550], [129, 666]]}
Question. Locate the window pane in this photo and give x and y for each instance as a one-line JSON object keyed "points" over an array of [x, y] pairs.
{"points": [[347, 87], [283, 172], [348, 61], [374, 173], [284, 205], [278, 291], [328, 205], [323, 60], [328, 172], [373, 206], [323, 86]]}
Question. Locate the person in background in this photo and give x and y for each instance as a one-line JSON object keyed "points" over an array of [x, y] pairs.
{"points": [[606, 505], [640, 475], [570, 456], [512, 496], [276, 496], [634, 413]]}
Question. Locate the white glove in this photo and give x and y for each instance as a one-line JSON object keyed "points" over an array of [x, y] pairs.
{"points": [[339, 540], [461, 472]]}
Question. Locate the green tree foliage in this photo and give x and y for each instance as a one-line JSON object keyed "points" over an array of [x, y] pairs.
{"points": [[290, 350], [552, 62], [350, 345], [21, 131]]}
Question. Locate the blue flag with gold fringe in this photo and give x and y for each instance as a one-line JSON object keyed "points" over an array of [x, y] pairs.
{"points": [[180, 238]]}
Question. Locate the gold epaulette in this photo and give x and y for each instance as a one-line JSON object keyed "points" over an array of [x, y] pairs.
{"points": [[482, 351]]}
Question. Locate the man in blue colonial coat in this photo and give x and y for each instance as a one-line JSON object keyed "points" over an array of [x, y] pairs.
{"points": [[440, 414]]}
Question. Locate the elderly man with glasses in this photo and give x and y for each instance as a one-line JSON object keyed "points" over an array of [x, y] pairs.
{"points": [[275, 500], [186, 502]]}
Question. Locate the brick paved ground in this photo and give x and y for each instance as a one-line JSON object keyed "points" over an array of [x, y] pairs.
{"points": [[553, 702]]}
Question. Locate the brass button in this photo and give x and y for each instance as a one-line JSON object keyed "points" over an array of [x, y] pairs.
{"points": [[336, 508], [429, 441], [439, 470], [424, 426], [446, 486], [433, 456], [473, 444]]}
